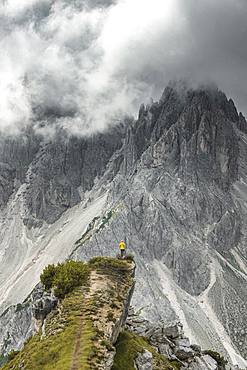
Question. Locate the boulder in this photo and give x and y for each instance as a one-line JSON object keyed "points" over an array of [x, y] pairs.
{"points": [[182, 342], [205, 362], [184, 353], [174, 331], [43, 305], [196, 348], [165, 349], [144, 361]]}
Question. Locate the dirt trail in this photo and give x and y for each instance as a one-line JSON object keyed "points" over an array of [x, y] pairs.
{"points": [[77, 352], [101, 312], [97, 283]]}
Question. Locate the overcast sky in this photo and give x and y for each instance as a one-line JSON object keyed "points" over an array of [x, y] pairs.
{"points": [[88, 62]]}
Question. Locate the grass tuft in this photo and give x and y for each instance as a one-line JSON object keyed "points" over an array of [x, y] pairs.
{"points": [[221, 361], [129, 345], [109, 262]]}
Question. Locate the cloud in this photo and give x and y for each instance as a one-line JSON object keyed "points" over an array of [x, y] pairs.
{"points": [[83, 65]]}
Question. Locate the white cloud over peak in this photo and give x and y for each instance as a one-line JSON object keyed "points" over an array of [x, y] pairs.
{"points": [[84, 64]]}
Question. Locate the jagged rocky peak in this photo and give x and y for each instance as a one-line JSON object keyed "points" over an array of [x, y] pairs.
{"points": [[178, 97], [57, 172], [54, 172], [191, 132]]}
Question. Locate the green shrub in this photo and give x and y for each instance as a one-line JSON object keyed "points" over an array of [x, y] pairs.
{"points": [[65, 277], [18, 307], [108, 262], [110, 316], [12, 355], [221, 361], [47, 276], [105, 220], [129, 257], [129, 345], [3, 360]]}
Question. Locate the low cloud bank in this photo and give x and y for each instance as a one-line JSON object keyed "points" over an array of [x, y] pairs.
{"points": [[85, 64]]}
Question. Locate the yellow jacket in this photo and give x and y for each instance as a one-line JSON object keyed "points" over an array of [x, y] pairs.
{"points": [[122, 246]]}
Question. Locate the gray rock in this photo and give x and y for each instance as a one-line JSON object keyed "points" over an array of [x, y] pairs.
{"points": [[16, 326], [173, 331], [19, 322], [184, 342], [197, 349], [144, 361], [184, 353], [165, 349], [203, 363], [7, 178], [42, 306]]}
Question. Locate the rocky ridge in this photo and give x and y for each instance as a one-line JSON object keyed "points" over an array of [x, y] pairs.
{"points": [[80, 330]]}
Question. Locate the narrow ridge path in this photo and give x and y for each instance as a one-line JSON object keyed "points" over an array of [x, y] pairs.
{"points": [[84, 334], [77, 352]]}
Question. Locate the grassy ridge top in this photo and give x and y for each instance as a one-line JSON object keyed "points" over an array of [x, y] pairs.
{"points": [[76, 335], [55, 351]]}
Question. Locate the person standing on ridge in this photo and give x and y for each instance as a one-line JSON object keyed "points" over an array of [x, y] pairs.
{"points": [[122, 247]]}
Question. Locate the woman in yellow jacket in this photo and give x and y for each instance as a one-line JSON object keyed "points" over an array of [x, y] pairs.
{"points": [[122, 247]]}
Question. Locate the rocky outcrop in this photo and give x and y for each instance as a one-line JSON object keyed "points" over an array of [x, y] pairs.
{"points": [[170, 341], [18, 323], [111, 286], [42, 303], [16, 326]]}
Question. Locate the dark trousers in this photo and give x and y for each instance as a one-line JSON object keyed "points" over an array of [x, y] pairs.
{"points": [[122, 253]]}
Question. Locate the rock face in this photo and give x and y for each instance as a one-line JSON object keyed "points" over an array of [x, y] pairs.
{"points": [[42, 303], [144, 361], [176, 181], [20, 322], [7, 176], [56, 172], [16, 325]]}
